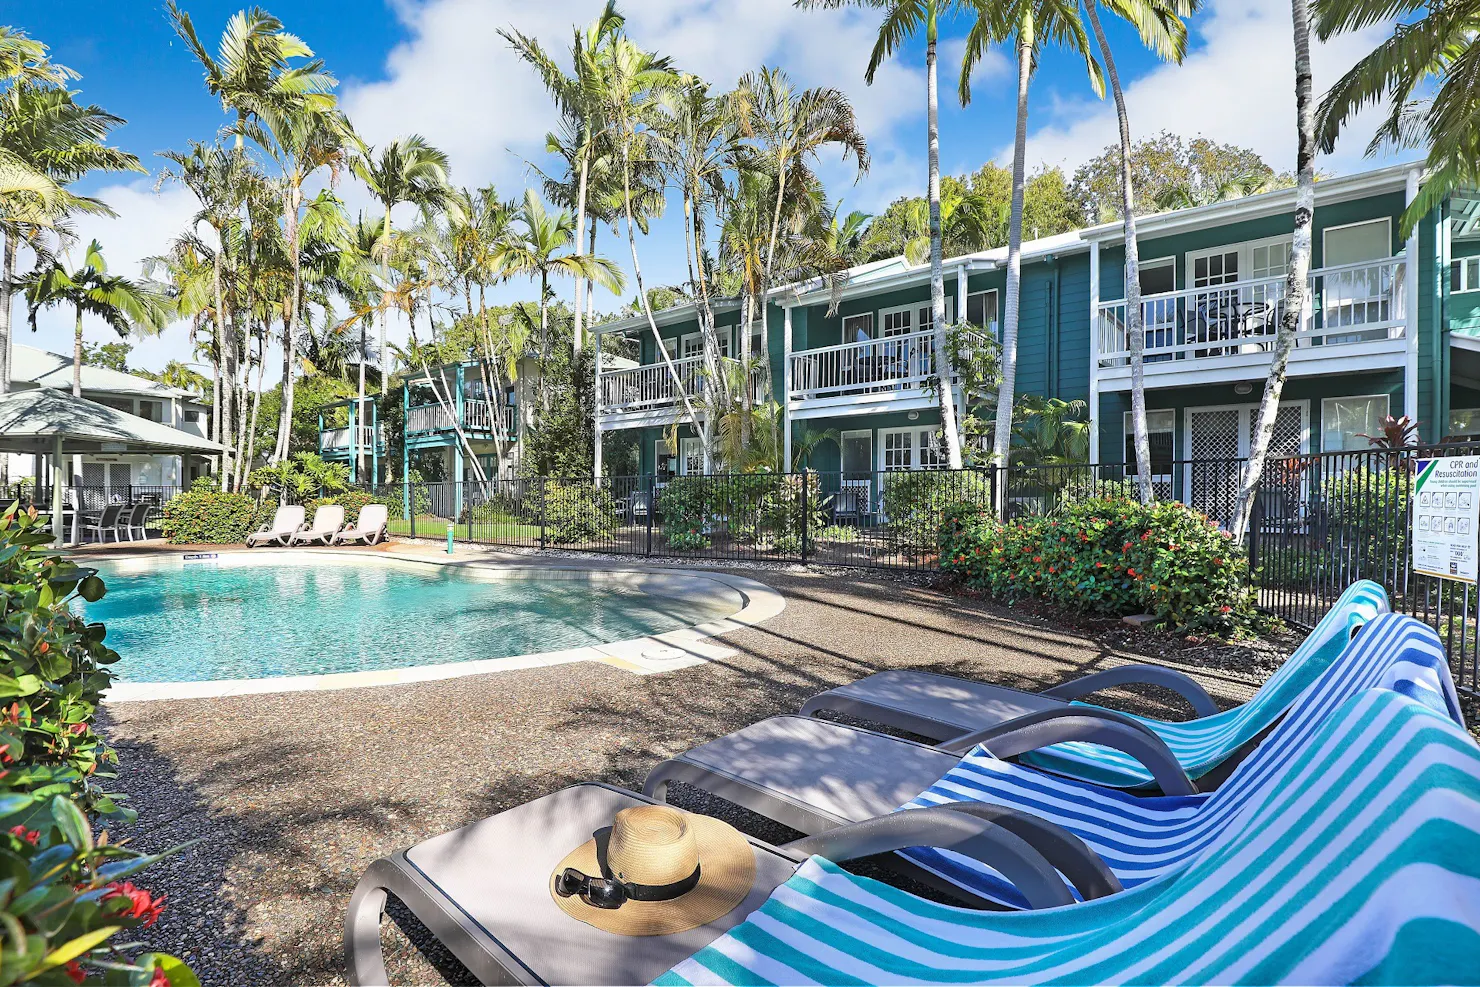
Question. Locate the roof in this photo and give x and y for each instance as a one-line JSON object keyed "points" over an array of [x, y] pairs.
{"points": [[30, 421], [46, 369]]}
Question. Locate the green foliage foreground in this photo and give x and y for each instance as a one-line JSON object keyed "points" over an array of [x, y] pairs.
{"points": [[66, 898], [1109, 557]]}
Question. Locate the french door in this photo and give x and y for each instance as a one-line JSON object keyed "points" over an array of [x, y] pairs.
{"points": [[1218, 442]]}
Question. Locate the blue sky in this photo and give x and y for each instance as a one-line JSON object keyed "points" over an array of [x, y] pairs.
{"points": [[437, 67]]}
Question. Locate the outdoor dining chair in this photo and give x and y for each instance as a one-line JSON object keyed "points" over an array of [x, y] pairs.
{"points": [[105, 522], [134, 523]]}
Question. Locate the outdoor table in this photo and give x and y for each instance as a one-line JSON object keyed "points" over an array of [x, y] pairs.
{"points": [[484, 890]]}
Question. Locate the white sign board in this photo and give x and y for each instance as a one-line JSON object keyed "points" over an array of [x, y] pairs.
{"points": [[1446, 518]]}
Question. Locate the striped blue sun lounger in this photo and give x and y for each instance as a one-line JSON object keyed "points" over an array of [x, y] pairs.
{"points": [[1144, 838], [1202, 744], [1355, 863]]}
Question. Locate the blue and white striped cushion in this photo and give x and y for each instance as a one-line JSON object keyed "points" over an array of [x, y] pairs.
{"points": [[1201, 745], [1357, 864], [1143, 838]]}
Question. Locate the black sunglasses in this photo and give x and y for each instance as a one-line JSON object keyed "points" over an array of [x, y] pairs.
{"points": [[598, 892]]}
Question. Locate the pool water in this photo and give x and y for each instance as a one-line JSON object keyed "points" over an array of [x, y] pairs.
{"points": [[204, 621]]}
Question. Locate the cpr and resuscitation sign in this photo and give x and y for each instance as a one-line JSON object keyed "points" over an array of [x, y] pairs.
{"points": [[1446, 518]]}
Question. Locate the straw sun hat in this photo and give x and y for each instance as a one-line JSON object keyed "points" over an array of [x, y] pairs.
{"points": [[657, 870]]}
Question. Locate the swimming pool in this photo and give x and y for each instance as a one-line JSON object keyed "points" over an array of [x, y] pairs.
{"points": [[295, 614]]}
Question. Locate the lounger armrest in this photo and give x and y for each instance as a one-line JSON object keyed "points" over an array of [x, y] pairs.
{"points": [[946, 829], [1044, 728], [1168, 678]]}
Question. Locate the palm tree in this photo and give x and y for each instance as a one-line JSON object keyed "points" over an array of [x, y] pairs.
{"points": [[1027, 24], [1426, 74], [1161, 28], [409, 170], [253, 72], [902, 20], [578, 98], [545, 247], [301, 141], [126, 305], [1297, 279], [1184, 195]]}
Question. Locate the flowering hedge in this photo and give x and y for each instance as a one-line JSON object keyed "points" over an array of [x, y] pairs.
{"points": [[1109, 557], [66, 889], [206, 515]]}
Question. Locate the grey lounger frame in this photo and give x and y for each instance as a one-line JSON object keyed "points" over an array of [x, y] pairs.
{"points": [[946, 709], [1030, 852]]}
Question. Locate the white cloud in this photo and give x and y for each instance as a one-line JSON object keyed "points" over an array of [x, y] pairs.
{"points": [[1236, 85], [146, 222]]}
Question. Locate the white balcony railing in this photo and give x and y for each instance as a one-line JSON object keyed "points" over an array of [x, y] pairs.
{"points": [[338, 438], [652, 387], [477, 416], [1352, 303], [902, 362]]}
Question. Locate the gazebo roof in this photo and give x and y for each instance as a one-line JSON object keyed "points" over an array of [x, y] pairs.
{"points": [[31, 420]]}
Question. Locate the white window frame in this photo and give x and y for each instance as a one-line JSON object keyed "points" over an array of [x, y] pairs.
{"points": [[1386, 399], [994, 330], [1386, 221], [1246, 424], [723, 334], [915, 432], [1128, 429], [916, 322], [850, 333], [1244, 249], [1163, 333], [1465, 285]]}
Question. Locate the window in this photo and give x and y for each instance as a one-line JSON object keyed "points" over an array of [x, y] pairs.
{"points": [[190, 417], [1158, 277], [857, 328], [897, 322], [117, 404], [1464, 274], [693, 343], [913, 448], [911, 318], [1356, 243], [151, 410], [1346, 422], [981, 311], [1160, 426], [1464, 421]]}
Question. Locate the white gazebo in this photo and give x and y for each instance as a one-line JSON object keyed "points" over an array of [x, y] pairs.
{"points": [[44, 421]]}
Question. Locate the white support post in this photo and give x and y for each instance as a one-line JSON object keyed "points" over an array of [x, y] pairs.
{"points": [[1094, 352], [596, 409], [1410, 315], [786, 386], [58, 468]]}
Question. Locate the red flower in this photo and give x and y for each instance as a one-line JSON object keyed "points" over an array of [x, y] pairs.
{"points": [[1132, 572], [1171, 545], [1037, 558], [1099, 565], [29, 835], [160, 978], [142, 904], [1217, 561], [1225, 609], [74, 970], [1127, 547], [1052, 569]]}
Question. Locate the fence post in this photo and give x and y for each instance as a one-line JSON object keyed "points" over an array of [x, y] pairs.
{"points": [[652, 507], [805, 513], [544, 508]]}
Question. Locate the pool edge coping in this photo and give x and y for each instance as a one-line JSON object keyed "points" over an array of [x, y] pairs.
{"points": [[694, 643]]}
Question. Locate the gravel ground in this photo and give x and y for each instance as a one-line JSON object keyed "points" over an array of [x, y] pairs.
{"points": [[293, 795]]}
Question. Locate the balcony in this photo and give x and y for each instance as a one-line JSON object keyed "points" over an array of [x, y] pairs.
{"points": [[479, 418], [888, 374], [337, 440], [649, 395], [1355, 318]]}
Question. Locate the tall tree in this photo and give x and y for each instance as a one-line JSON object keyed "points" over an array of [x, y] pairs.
{"points": [[1169, 171], [578, 96], [124, 304], [902, 20], [1160, 25], [408, 170], [1027, 25], [1297, 280]]}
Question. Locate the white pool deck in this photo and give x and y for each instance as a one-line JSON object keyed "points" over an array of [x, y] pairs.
{"points": [[648, 655]]}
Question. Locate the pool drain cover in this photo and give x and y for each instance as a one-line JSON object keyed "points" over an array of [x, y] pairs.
{"points": [[664, 654]]}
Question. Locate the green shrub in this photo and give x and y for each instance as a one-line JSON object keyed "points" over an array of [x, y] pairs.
{"points": [[1109, 557], [65, 892], [1368, 510], [578, 512], [685, 505], [206, 516], [915, 501], [421, 497]]}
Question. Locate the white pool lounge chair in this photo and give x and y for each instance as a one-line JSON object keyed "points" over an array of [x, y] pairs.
{"points": [[285, 522], [327, 521], [369, 527]]}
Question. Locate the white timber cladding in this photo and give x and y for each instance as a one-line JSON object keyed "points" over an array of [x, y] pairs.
{"points": [[1410, 364], [1094, 360]]}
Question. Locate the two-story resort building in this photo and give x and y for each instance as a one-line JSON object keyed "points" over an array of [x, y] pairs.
{"points": [[1389, 328], [108, 475]]}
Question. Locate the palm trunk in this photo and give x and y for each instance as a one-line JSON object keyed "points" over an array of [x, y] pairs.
{"points": [[385, 305], [1297, 279], [290, 320], [951, 436], [1003, 437], [222, 364], [1135, 318], [576, 341], [256, 412], [6, 292], [591, 285], [360, 413], [77, 356], [642, 297]]}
